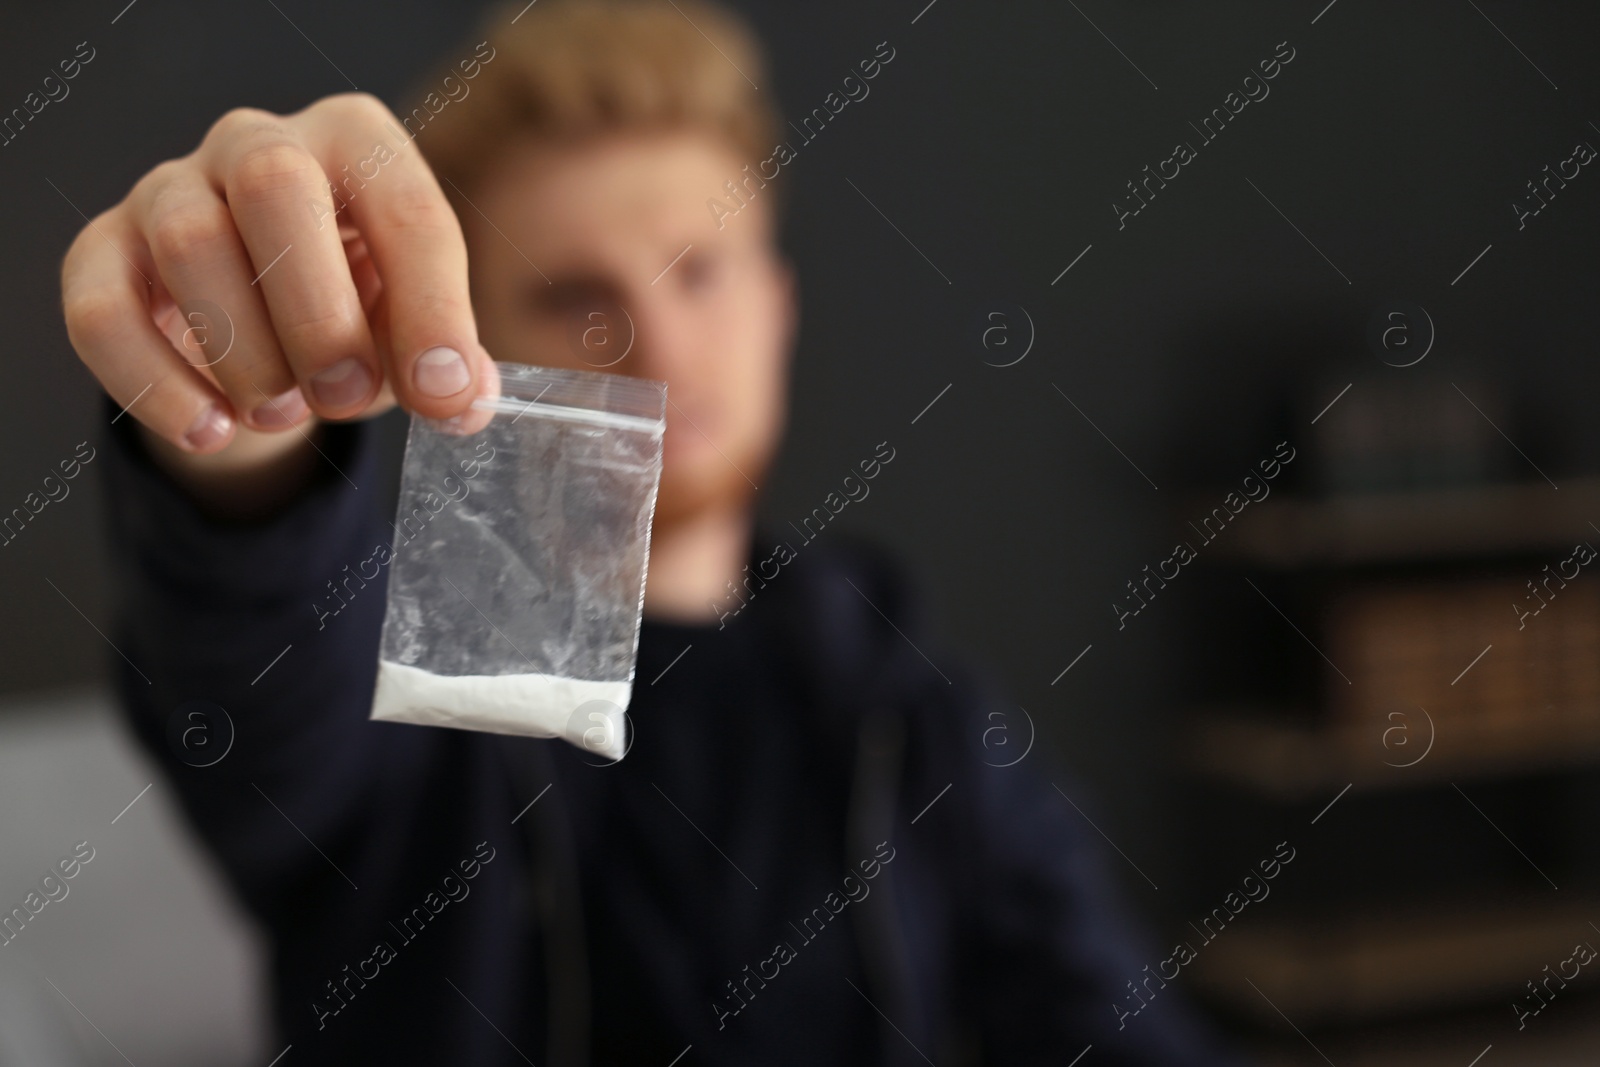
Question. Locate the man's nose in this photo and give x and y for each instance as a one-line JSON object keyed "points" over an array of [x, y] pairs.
{"points": [[664, 338]]}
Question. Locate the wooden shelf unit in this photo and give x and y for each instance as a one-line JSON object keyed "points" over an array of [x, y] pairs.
{"points": [[1282, 758], [1404, 593], [1322, 970], [1283, 533]]}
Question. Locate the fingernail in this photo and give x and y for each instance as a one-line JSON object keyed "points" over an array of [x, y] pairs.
{"points": [[456, 424], [212, 425], [342, 384], [441, 372], [285, 409]]}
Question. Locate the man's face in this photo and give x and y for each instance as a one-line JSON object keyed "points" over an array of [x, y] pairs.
{"points": [[578, 260]]}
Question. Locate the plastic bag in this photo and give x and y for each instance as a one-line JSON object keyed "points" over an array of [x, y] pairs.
{"points": [[519, 561]]}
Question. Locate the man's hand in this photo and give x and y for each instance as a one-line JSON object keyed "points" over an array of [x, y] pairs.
{"points": [[233, 301]]}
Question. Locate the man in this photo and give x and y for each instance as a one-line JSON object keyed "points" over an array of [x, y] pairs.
{"points": [[804, 857]]}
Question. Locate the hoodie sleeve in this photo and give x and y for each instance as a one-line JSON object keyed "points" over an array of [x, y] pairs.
{"points": [[270, 628], [1054, 950]]}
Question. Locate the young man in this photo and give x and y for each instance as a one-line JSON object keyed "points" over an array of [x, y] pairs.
{"points": [[805, 857]]}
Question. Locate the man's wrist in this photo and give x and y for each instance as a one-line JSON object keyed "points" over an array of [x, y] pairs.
{"points": [[255, 477]]}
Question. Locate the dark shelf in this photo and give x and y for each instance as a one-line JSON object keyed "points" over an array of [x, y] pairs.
{"points": [[1413, 526], [1566, 1036], [1406, 592], [1288, 760], [1354, 967]]}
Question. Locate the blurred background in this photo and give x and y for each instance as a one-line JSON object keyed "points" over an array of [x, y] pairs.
{"points": [[1376, 284]]}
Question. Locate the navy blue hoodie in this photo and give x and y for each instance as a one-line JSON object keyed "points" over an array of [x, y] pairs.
{"points": [[808, 856]]}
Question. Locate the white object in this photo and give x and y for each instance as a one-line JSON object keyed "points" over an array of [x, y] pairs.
{"points": [[586, 713]]}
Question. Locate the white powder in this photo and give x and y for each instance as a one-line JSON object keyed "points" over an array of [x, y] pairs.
{"points": [[532, 705]]}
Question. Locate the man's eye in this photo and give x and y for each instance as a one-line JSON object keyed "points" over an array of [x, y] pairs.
{"points": [[565, 299], [700, 271]]}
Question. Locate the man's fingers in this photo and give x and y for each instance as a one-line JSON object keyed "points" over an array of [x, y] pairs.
{"points": [[107, 307], [274, 318], [415, 241], [277, 194], [223, 323]]}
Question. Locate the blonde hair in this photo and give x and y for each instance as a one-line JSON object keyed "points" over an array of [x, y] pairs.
{"points": [[570, 69]]}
